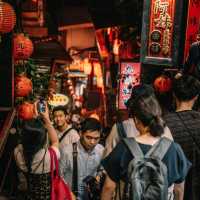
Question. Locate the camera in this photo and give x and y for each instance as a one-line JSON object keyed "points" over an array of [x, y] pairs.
{"points": [[41, 107]]}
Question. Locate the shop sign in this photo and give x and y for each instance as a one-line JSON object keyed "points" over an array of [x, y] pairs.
{"points": [[129, 77], [161, 29], [193, 24], [161, 32]]}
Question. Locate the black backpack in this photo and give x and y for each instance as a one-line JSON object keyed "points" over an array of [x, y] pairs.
{"points": [[147, 174]]}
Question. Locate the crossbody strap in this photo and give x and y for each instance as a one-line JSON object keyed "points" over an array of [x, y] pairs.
{"points": [[189, 133], [75, 169], [42, 161], [120, 130], [65, 133]]}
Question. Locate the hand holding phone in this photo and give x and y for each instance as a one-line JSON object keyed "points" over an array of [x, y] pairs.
{"points": [[41, 106]]}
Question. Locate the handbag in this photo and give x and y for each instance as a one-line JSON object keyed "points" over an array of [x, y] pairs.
{"points": [[59, 189]]}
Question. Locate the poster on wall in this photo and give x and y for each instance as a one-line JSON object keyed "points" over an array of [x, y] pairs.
{"points": [[129, 77], [193, 24], [161, 30]]}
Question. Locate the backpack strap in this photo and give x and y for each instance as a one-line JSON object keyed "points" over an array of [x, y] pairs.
{"points": [[133, 147], [159, 149], [65, 133], [75, 169], [120, 130]]}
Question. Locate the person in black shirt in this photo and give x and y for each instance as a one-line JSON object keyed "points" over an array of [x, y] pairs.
{"points": [[146, 113], [185, 125]]}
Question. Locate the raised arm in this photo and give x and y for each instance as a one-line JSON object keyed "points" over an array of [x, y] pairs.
{"points": [[47, 122]]}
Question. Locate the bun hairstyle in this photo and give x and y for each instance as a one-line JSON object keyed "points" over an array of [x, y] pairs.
{"points": [[144, 106], [34, 137]]}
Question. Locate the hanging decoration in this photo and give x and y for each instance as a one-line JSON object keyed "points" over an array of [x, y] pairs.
{"points": [[101, 43], [7, 17], [87, 66], [22, 47], [26, 111], [97, 69], [23, 86], [162, 84]]}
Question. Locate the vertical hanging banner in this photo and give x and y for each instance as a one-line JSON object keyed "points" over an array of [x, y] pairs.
{"points": [[193, 24], [129, 77], [161, 30]]}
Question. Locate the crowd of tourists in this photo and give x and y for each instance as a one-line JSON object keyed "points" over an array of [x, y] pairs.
{"points": [[148, 156]]}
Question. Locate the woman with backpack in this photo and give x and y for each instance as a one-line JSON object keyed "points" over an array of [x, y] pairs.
{"points": [[150, 165]]}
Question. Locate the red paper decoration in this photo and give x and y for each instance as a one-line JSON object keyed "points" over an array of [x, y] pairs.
{"points": [[22, 48], [7, 17], [162, 84], [23, 86], [26, 111]]}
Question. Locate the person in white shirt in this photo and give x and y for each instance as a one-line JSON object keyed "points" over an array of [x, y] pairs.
{"points": [[66, 134], [89, 155]]}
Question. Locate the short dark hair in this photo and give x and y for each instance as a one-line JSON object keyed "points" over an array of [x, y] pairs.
{"points": [[60, 108], [144, 106], [186, 87], [90, 124]]}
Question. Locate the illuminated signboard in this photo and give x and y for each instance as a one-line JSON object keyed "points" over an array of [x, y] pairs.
{"points": [[161, 29], [193, 24], [161, 32], [129, 77]]}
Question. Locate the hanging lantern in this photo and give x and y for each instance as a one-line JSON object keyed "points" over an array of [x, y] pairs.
{"points": [[7, 17], [22, 48], [23, 86], [162, 84], [87, 66], [26, 111], [100, 82], [97, 69]]}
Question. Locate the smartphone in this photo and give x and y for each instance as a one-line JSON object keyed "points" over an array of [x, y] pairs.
{"points": [[41, 107]]}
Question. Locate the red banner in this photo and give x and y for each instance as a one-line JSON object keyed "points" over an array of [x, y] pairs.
{"points": [[161, 28], [193, 24], [129, 77]]}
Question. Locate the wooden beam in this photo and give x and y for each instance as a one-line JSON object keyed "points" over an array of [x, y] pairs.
{"points": [[36, 31], [76, 26]]}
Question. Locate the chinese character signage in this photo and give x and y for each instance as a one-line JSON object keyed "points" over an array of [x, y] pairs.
{"points": [[129, 77], [161, 29], [161, 32], [193, 24]]}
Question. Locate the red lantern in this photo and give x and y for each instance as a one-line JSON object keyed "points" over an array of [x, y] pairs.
{"points": [[22, 47], [23, 86], [162, 84], [26, 111], [7, 17]]}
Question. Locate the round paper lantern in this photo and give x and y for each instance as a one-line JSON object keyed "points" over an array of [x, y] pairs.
{"points": [[162, 84], [26, 111], [23, 86], [7, 17], [22, 47]]}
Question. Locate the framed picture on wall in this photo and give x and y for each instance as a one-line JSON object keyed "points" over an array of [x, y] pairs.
{"points": [[129, 73]]}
